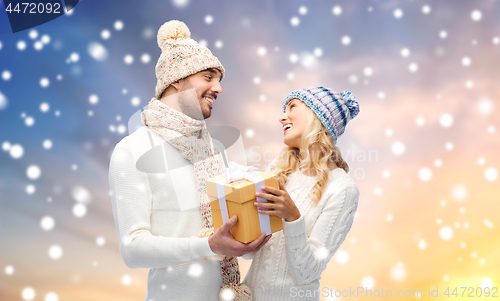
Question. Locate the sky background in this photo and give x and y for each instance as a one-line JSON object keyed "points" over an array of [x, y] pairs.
{"points": [[423, 149]]}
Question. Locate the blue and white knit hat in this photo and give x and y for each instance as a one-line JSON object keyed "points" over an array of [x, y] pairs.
{"points": [[332, 108]]}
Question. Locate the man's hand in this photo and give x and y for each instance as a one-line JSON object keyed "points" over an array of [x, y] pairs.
{"points": [[223, 242]]}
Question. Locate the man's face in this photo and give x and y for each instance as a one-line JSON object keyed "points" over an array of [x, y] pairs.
{"points": [[207, 86]]}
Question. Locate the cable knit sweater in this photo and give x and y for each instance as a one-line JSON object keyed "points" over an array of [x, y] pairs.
{"points": [[289, 266], [158, 220]]}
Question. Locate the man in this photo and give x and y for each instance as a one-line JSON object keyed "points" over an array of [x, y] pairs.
{"points": [[157, 179]]}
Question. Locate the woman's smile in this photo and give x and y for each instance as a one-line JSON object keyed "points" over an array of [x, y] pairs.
{"points": [[286, 127]]}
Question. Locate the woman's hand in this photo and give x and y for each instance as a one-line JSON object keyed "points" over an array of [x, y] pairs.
{"points": [[282, 206]]}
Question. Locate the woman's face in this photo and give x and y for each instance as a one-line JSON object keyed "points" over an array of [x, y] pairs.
{"points": [[293, 123]]}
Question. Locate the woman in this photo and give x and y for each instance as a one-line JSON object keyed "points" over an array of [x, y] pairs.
{"points": [[316, 200]]}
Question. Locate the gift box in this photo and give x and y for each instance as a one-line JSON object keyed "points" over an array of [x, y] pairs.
{"points": [[237, 198]]}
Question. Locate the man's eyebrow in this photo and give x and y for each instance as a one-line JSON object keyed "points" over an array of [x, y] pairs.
{"points": [[214, 71]]}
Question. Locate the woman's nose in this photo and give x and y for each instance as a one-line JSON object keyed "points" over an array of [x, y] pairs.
{"points": [[283, 118]]}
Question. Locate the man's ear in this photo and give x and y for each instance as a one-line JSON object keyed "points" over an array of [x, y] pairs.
{"points": [[177, 85]]}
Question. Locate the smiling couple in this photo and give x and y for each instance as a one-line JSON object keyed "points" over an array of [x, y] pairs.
{"points": [[157, 224]]}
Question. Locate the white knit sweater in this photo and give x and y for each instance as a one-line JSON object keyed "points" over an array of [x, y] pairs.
{"points": [[158, 220], [290, 264]]}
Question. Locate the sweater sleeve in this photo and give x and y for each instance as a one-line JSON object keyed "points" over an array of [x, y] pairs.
{"points": [[132, 206], [307, 257]]}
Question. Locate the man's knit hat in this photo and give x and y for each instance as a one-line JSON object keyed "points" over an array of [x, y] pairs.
{"points": [[180, 56], [332, 108]]}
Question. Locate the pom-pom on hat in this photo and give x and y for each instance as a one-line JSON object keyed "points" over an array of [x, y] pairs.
{"points": [[332, 108], [180, 56]]}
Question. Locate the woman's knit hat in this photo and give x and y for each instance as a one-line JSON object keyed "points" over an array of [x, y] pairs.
{"points": [[332, 108], [180, 56]]}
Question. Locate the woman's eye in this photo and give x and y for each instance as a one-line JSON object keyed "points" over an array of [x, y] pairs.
{"points": [[209, 77]]}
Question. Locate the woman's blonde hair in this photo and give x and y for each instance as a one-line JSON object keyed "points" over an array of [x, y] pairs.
{"points": [[317, 160]]}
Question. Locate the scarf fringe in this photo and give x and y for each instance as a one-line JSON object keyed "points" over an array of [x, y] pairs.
{"points": [[232, 292]]}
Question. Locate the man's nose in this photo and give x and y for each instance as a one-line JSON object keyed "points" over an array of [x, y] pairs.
{"points": [[217, 88]]}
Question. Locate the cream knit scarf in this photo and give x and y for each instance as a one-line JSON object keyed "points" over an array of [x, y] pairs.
{"points": [[191, 138]]}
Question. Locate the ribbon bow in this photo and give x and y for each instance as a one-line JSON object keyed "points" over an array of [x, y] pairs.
{"points": [[237, 171]]}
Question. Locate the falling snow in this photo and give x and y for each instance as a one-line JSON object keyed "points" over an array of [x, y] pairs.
{"points": [[100, 241], [295, 21], [425, 174], [405, 52], [398, 13], [51, 296], [128, 59], [413, 67], [16, 151], [97, 51], [321, 253], [9, 270], [6, 75], [47, 144], [21, 45], [346, 40], [485, 106], [446, 120], [337, 10], [459, 192], [55, 252], [398, 273], [47, 223], [368, 282], [33, 172], [195, 270], [31, 156], [79, 210], [342, 257], [491, 174], [446, 233], [118, 25], [81, 195], [28, 293], [126, 280], [3, 101], [261, 51], [105, 34], [476, 15], [93, 99], [398, 148]]}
